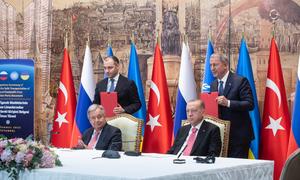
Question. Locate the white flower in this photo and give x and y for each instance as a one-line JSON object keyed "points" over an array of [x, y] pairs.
{"points": [[6, 155], [3, 144], [20, 157], [22, 147]]}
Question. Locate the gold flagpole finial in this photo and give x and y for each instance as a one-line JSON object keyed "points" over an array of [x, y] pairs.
{"points": [[274, 15], [157, 36], [88, 39], [132, 36], [209, 31], [66, 40]]}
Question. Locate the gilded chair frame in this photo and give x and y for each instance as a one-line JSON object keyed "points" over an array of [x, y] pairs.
{"points": [[224, 134], [125, 140], [290, 169]]}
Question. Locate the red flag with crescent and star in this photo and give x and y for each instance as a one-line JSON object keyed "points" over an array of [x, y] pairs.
{"points": [[159, 124], [276, 118], [65, 107]]}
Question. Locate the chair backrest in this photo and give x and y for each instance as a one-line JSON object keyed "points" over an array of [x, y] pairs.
{"points": [[291, 167], [131, 129], [224, 127]]}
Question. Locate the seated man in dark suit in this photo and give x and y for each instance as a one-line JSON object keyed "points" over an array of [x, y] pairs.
{"points": [[100, 136], [199, 138], [128, 97]]}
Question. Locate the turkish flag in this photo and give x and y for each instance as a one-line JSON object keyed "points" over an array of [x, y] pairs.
{"points": [[65, 107], [276, 118], [159, 123]]}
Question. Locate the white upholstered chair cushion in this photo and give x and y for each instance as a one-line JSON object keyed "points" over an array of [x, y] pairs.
{"points": [[131, 129]]}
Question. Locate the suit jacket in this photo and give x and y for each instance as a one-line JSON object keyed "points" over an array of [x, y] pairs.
{"points": [[238, 91], [110, 138], [127, 92], [208, 140]]}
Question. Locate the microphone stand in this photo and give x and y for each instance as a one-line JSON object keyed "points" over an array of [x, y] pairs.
{"points": [[131, 153], [180, 161]]}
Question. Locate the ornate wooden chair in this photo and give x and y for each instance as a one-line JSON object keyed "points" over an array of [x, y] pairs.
{"points": [[131, 129], [290, 170], [224, 131]]}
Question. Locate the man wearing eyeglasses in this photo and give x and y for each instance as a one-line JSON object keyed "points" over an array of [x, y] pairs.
{"points": [[199, 138], [100, 136]]}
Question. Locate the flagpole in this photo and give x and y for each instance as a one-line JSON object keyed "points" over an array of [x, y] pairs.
{"points": [[132, 37], [244, 29], [274, 15], [185, 39], [209, 31], [88, 39], [109, 37], [66, 40], [157, 37]]}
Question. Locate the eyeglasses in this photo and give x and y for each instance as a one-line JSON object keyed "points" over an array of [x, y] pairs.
{"points": [[207, 160]]}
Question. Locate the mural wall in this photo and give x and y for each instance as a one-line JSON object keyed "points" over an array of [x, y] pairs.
{"points": [[36, 29]]}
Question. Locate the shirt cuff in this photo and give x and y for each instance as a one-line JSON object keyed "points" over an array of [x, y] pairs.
{"points": [[228, 103]]}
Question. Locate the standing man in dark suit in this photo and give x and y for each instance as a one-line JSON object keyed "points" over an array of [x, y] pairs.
{"points": [[235, 100], [126, 89], [100, 136], [199, 138]]}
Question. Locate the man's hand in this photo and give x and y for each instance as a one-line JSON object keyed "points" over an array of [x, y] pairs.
{"points": [[222, 100], [118, 110], [81, 144]]}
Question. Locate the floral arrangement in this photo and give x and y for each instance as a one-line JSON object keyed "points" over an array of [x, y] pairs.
{"points": [[18, 155]]}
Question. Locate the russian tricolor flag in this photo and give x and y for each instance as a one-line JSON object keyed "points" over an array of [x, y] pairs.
{"points": [[294, 140], [186, 87], [86, 92]]}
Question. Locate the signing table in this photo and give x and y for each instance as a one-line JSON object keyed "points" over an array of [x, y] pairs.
{"points": [[88, 165]]}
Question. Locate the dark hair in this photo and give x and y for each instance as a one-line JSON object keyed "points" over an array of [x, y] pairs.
{"points": [[114, 58]]}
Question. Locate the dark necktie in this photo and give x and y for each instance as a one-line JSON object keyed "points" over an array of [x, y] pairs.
{"points": [[221, 88], [111, 89]]}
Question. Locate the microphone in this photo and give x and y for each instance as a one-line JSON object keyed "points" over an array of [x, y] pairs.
{"points": [[180, 161], [110, 153], [209, 159]]}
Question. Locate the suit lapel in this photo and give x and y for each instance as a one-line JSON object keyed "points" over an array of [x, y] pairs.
{"points": [[183, 137], [200, 136], [214, 86], [185, 134], [89, 136], [119, 83], [104, 88], [228, 84]]}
